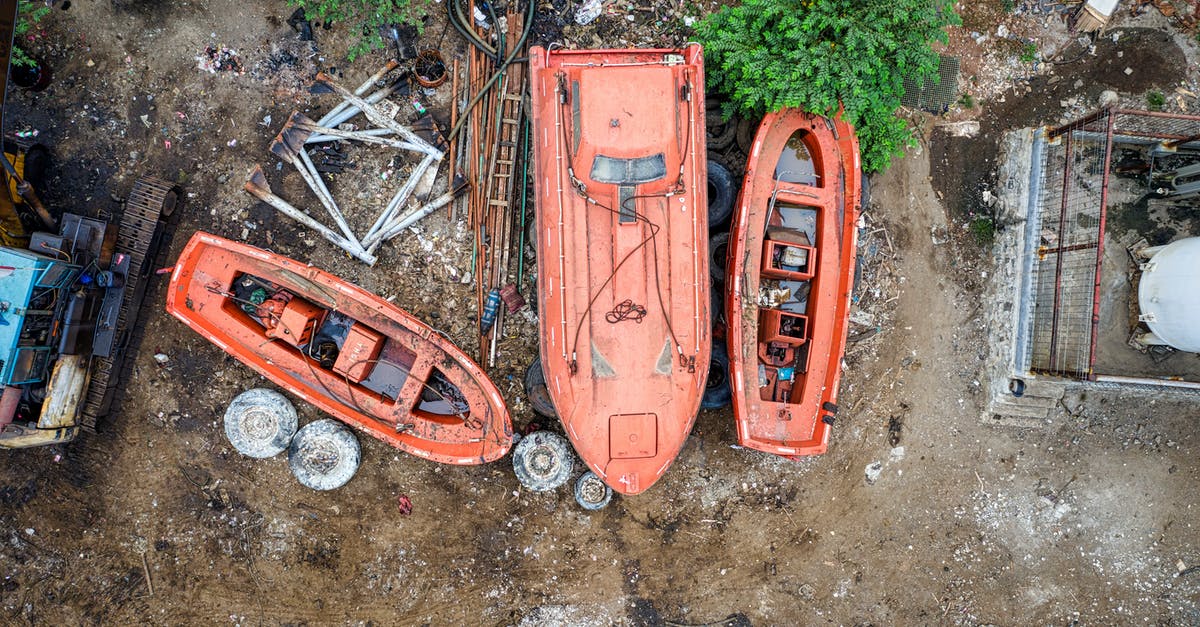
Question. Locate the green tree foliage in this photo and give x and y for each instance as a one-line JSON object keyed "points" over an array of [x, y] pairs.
{"points": [[365, 18], [769, 54]]}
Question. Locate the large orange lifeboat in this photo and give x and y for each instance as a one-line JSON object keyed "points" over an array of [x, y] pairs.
{"points": [[622, 252], [790, 274], [354, 355]]}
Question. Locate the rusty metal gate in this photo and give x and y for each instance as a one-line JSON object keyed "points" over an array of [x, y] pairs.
{"points": [[1070, 219]]}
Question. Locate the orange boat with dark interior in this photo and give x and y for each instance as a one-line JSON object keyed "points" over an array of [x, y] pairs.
{"points": [[790, 274], [622, 252], [349, 352]]}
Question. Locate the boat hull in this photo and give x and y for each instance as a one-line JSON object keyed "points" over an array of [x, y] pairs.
{"points": [[622, 252], [389, 367], [790, 274]]}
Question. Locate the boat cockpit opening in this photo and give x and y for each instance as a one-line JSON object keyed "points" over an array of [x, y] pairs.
{"points": [[789, 268], [341, 347], [797, 163]]}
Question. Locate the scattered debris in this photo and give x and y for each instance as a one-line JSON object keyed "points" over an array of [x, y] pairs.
{"points": [[220, 59]]}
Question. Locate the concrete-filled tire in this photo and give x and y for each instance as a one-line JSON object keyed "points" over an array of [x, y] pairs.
{"points": [[717, 390], [543, 461], [260, 423], [537, 392], [324, 455], [722, 191], [591, 492]]}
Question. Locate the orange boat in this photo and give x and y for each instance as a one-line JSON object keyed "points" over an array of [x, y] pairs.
{"points": [[790, 273], [349, 352], [622, 252]]}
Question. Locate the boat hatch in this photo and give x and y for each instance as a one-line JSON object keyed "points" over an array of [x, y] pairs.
{"points": [[633, 436], [796, 163], [629, 171]]}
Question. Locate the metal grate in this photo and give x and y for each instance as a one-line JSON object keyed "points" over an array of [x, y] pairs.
{"points": [[1071, 213], [931, 96]]}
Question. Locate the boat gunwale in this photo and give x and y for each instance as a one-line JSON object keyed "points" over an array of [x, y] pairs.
{"points": [[552, 290], [834, 139], [494, 441]]}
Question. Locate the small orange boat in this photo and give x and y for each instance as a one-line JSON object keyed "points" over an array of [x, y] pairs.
{"points": [[349, 352], [790, 274], [622, 217]]}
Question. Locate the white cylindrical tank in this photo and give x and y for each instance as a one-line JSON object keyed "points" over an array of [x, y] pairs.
{"points": [[1169, 294]]}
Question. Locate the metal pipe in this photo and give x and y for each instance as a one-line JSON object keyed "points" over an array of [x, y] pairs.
{"points": [[400, 198], [362, 89], [378, 117], [412, 217], [1100, 251], [256, 185], [370, 136], [309, 171]]}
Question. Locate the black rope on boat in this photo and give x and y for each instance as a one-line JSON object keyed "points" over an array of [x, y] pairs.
{"points": [[626, 310]]}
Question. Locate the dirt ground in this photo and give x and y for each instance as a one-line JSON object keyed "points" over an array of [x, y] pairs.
{"points": [[919, 514]]}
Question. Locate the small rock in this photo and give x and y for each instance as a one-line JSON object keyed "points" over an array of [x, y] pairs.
{"points": [[874, 469], [161, 358], [91, 63], [1128, 71], [1108, 97], [1002, 31]]}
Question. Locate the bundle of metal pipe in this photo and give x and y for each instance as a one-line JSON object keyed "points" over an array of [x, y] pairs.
{"points": [[487, 133]]}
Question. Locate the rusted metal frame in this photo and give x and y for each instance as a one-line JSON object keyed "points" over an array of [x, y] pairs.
{"points": [[1058, 268], [1054, 133], [1154, 114], [1091, 366], [1066, 249], [1175, 143]]}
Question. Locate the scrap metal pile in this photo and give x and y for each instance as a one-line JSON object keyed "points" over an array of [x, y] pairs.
{"points": [[486, 140], [301, 134]]}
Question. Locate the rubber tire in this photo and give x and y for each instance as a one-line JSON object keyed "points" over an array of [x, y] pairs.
{"points": [[260, 423], [586, 487], [718, 255], [333, 439], [717, 390], [543, 461], [716, 303], [536, 391], [722, 190]]}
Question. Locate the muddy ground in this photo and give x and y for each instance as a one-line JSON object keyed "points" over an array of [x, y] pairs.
{"points": [[155, 519]]}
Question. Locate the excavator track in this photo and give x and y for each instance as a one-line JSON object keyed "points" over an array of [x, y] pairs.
{"points": [[140, 231]]}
